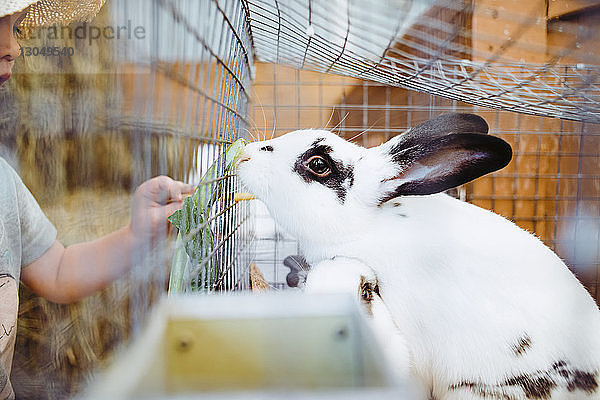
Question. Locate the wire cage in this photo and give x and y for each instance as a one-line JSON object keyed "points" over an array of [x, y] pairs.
{"points": [[531, 72], [482, 52], [180, 84], [550, 188], [146, 89], [188, 90]]}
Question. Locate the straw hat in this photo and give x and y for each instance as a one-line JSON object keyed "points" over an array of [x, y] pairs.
{"points": [[50, 12]]}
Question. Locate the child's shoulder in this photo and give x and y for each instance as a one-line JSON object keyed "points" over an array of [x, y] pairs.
{"points": [[11, 186], [7, 175], [5, 167]]}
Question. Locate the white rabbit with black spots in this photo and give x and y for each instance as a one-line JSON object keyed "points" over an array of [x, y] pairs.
{"points": [[487, 310]]}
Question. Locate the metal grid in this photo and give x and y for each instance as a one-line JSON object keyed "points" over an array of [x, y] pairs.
{"points": [[85, 130], [481, 52], [186, 101], [551, 188]]}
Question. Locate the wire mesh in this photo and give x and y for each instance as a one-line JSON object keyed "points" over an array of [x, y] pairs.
{"points": [[189, 85], [181, 95], [551, 187], [536, 57], [151, 88]]}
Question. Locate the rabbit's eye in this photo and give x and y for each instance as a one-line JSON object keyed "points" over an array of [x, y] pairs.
{"points": [[318, 166]]}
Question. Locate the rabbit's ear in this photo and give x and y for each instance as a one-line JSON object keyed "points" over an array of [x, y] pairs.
{"points": [[447, 124], [433, 163]]}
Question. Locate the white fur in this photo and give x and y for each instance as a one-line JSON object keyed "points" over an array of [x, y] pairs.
{"points": [[343, 275], [463, 284]]}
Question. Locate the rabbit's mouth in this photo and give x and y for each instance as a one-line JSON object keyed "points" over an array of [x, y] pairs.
{"points": [[243, 159]]}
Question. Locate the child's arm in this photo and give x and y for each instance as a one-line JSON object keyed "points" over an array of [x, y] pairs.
{"points": [[66, 275]]}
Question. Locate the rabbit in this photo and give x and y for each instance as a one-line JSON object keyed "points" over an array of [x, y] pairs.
{"points": [[487, 310], [352, 276]]}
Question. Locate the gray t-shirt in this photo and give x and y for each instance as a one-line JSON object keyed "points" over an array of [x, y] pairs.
{"points": [[25, 234]]}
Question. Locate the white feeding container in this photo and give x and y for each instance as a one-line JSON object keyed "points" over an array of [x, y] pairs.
{"points": [[246, 346]]}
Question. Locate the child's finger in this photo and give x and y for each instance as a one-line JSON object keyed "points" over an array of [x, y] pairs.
{"points": [[182, 190], [174, 189], [187, 188]]}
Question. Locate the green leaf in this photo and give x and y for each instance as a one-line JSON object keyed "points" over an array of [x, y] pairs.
{"points": [[195, 234], [175, 218]]}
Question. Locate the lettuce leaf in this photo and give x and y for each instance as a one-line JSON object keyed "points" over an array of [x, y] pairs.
{"points": [[195, 236]]}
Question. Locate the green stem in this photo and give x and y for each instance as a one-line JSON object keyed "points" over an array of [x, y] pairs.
{"points": [[178, 267]]}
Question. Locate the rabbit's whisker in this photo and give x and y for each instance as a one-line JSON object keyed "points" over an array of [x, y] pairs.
{"points": [[250, 134], [255, 127], [341, 122], [274, 124], [366, 130], [358, 135], [330, 116]]}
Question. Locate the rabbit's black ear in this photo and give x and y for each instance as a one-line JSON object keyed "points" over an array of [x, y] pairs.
{"points": [[433, 164], [447, 124]]}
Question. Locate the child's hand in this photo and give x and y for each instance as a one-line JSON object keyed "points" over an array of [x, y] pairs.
{"points": [[58, 275], [153, 201]]}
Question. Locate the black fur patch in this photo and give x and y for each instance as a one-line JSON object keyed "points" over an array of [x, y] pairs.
{"points": [[339, 172], [483, 391], [464, 157], [534, 387], [537, 385], [366, 292], [316, 142], [447, 124], [576, 379], [522, 345]]}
